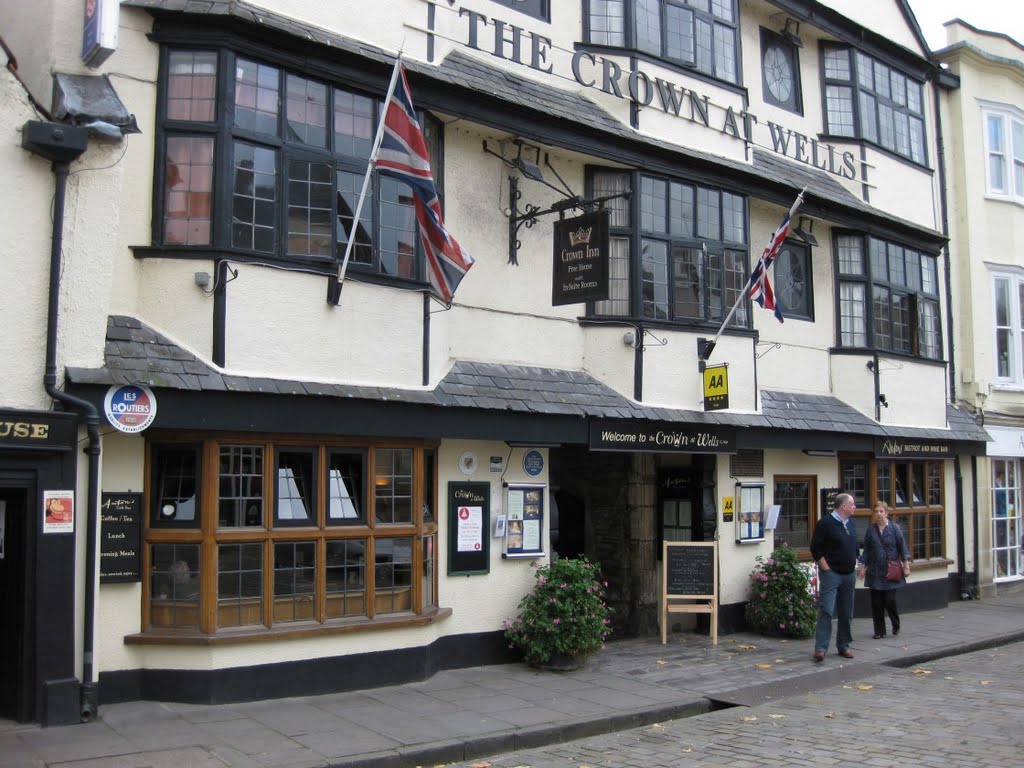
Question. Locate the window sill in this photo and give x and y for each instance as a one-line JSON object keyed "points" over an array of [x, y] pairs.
{"points": [[261, 634], [935, 562]]}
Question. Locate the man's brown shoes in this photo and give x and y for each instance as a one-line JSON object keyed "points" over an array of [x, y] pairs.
{"points": [[819, 656], [846, 653]]}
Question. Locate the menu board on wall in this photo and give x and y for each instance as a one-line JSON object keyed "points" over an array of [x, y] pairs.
{"points": [[469, 524], [120, 537], [524, 531]]}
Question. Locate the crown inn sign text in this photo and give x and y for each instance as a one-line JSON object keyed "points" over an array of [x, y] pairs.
{"points": [[510, 42]]}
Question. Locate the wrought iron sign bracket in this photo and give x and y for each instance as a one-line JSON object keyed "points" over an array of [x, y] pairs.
{"points": [[529, 214]]}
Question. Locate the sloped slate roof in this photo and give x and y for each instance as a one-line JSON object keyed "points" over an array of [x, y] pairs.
{"points": [[135, 354]]}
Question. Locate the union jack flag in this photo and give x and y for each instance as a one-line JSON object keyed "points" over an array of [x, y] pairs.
{"points": [[403, 154], [760, 290]]}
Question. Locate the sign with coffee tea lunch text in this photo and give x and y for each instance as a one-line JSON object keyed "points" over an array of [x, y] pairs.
{"points": [[580, 271], [661, 437]]}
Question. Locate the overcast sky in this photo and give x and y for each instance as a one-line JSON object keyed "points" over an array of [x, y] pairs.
{"points": [[1006, 16]]}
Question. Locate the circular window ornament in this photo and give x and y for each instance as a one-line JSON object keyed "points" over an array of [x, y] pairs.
{"points": [[778, 74], [130, 408]]}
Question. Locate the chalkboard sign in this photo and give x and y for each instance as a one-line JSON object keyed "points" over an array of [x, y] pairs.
{"points": [[690, 573], [469, 528], [690, 569], [120, 537]]}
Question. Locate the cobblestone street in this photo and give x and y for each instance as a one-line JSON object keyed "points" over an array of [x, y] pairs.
{"points": [[957, 711]]}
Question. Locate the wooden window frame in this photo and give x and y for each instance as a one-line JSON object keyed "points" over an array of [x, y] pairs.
{"points": [[905, 514], [209, 537]]}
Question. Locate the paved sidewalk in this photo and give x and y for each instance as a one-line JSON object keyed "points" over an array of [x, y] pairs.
{"points": [[459, 715]]}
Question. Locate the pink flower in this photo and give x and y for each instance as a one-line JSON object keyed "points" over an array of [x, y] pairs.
{"points": [[557, 621]]}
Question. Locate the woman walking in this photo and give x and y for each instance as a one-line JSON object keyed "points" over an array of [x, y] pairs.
{"points": [[884, 543]]}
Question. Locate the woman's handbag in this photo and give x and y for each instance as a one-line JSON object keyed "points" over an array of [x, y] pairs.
{"points": [[894, 571]]}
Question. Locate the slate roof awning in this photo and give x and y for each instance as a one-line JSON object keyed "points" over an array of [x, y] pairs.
{"points": [[137, 354]]}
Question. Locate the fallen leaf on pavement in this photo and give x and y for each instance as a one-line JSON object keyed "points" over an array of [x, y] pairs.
{"points": [[778, 661], [920, 671], [749, 719], [763, 666], [987, 682], [687, 749], [776, 717], [662, 661], [830, 714], [746, 647], [480, 765], [865, 687]]}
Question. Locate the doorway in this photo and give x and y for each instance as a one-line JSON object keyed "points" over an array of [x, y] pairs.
{"points": [[16, 646]]}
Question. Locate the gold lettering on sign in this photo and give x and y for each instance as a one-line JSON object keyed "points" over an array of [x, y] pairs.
{"points": [[24, 429]]}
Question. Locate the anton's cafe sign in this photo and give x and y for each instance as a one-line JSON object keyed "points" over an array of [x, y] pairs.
{"points": [[515, 44]]}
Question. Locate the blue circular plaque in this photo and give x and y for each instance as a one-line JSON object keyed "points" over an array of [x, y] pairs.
{"points": [[533, 463]]}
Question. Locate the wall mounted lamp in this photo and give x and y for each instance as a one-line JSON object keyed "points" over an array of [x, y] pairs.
{"points": [[804, 229], [882, 401], [792, 32]]}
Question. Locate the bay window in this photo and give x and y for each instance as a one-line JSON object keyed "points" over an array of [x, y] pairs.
{"points": [[275, 172], [1004, 149], [693, 250], [702, 34], [888, 297], [867, 99], [286, 534], [1008, 306], [914, 490]]}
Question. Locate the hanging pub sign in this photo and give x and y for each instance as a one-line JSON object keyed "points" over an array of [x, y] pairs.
{"points": [[581, 259], [897, 447]]}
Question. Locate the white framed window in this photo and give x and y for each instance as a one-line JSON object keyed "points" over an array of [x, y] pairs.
{"points": [[1004, 151], [1008, 311], [1006, 520]]}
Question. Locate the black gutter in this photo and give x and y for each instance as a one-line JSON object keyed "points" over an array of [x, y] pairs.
{"points": [[61, 144], [966, 584]]}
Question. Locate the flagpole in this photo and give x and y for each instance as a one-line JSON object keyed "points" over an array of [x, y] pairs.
{"points": [[366, 179], [709, 346]]}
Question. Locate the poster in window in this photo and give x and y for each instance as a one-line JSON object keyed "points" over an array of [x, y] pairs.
{"points": [[469, 518], [525, 530], [58, 511]]}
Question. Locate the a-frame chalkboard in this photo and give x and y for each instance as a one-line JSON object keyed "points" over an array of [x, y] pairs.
{"points": [[690, 574]]}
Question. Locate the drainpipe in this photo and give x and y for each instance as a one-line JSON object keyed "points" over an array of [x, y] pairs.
{"points": [[968, 585], [61, 144]]}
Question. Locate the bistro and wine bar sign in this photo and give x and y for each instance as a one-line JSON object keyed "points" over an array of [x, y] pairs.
{"points": [[661, 437], [581, 259]]}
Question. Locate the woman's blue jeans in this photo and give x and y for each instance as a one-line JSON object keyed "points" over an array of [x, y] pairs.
{"points": [[835, 600]]}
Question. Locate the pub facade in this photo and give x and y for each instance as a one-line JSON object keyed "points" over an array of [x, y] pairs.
{"points": [[283, 486]]}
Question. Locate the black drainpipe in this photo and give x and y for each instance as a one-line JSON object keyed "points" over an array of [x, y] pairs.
{"points": [[61, 144], [967, 583]]}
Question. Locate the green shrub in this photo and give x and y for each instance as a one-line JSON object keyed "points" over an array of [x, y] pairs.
{"points": [[565, 613], [783, 599]]}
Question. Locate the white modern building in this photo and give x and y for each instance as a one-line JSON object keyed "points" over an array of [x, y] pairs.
{"points": [[220, 481]]}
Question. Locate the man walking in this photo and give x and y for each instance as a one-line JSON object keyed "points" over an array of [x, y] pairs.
{"points": [[834, 549]]}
